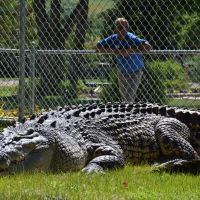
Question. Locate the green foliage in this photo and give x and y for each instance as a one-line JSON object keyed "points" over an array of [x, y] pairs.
{"points": [[9, 23], [151, 88], [9, 20], [172, 74], [168, 69], [193, 64], [187, 25], [165, 24], [176, 84], [98, 6], [158, 77], [110, 93]]}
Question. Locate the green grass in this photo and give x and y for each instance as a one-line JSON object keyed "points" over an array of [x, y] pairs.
{"points": [[8, 91], [188, 103], [129, 183]]}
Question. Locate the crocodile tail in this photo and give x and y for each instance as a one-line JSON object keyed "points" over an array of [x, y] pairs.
{"points": [[189, 117]]}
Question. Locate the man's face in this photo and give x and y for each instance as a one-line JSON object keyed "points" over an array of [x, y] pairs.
{"points": [[121, 29]]}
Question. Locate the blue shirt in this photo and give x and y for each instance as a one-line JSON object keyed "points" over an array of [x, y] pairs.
{"points": [[128, 64]]}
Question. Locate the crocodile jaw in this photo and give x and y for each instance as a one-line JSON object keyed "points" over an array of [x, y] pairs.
{"points": [[25, 154]]}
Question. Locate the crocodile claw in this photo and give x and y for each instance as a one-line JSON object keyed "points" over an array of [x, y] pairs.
{"points": [[179, 165], [92, 168]]}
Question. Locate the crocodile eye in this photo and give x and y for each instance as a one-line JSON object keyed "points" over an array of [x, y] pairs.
{"points": [[30, 131], [16, 138]]}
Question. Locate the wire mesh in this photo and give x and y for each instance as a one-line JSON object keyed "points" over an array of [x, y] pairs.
{"points": [[62, 66]]}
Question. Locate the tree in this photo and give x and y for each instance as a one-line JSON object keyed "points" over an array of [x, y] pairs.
{"points": [[53, 34], [160, 22], [79, 41], [193, 64]]}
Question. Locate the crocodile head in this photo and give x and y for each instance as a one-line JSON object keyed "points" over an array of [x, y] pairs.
{"points": [[23, 149]]}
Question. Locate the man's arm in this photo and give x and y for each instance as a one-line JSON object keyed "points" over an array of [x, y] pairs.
{"points": [[101, 49], [142, 48]]}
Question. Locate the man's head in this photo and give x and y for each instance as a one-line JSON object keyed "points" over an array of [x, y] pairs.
{"points": [[122, 26]]}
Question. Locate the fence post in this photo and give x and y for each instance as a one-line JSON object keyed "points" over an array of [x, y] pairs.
{"points": [[32, 95], [21, 92]]}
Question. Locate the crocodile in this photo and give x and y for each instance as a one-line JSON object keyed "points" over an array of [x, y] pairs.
{"points": [[99, 137]]}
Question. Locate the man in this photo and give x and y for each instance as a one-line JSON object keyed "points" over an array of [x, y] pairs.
{"points": [[128, 50]]}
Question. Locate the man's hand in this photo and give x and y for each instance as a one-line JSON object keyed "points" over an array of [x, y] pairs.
{"points": [[122, 52], [117, 52]]}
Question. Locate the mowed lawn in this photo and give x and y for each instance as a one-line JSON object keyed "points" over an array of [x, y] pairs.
{"points": [[137, 182]]}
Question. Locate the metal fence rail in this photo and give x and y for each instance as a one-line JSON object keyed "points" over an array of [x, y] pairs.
{"points": [[60, 67], [94, 80]]}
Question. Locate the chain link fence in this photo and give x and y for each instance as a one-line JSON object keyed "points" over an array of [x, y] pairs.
{"points": [[47, 56]]}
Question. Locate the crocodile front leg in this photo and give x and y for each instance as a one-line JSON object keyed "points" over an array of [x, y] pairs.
{"points": [[104, 158], [69, 154]]}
